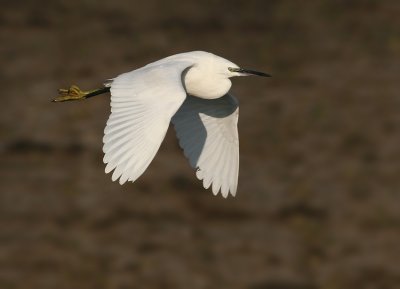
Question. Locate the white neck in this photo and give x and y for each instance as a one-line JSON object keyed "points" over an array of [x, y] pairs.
{"points": [[205, 84]]}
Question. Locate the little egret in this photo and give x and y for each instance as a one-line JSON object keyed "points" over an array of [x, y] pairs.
{"points": [[191, 90]]}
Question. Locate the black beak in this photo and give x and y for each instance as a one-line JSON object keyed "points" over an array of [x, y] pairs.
{"points": [[248, 71], [253, 72]]}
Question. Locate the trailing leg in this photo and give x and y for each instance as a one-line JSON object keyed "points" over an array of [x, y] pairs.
{"points": [[75, 93]]}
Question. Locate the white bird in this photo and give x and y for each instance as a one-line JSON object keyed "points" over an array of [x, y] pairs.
{"points": [[191, 90]]}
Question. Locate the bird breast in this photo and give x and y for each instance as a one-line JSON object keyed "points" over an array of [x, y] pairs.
{"points": [[205, 84]]}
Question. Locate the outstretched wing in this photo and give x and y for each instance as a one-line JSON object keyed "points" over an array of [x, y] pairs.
{"points": [[207, 132], [142, 104]]}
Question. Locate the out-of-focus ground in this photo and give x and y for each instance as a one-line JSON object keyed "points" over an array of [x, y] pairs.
{"points": [[318, 201]]}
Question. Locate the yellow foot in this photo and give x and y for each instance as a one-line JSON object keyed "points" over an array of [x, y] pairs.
{"points": [[73, 93]]}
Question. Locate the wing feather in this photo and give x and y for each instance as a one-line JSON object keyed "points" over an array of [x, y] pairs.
{"points": [[207, 132], [142, 104]]}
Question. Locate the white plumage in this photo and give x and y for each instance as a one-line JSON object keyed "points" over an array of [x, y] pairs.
{"points": [[207, 132], [191, 90]]}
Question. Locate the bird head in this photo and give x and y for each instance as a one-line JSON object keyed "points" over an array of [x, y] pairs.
{"points": [[213, 63]]}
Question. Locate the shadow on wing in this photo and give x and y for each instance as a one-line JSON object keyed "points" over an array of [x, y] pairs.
{"points": [[197, 118]]}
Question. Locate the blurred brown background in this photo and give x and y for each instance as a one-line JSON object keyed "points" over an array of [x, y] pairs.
{"points": [[318, 198]]}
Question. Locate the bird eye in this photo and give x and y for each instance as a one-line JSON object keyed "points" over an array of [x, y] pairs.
{"points": [[233, 69]]}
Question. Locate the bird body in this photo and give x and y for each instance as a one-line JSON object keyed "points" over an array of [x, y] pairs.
{"points": [[191, 90], [205, 76]]}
